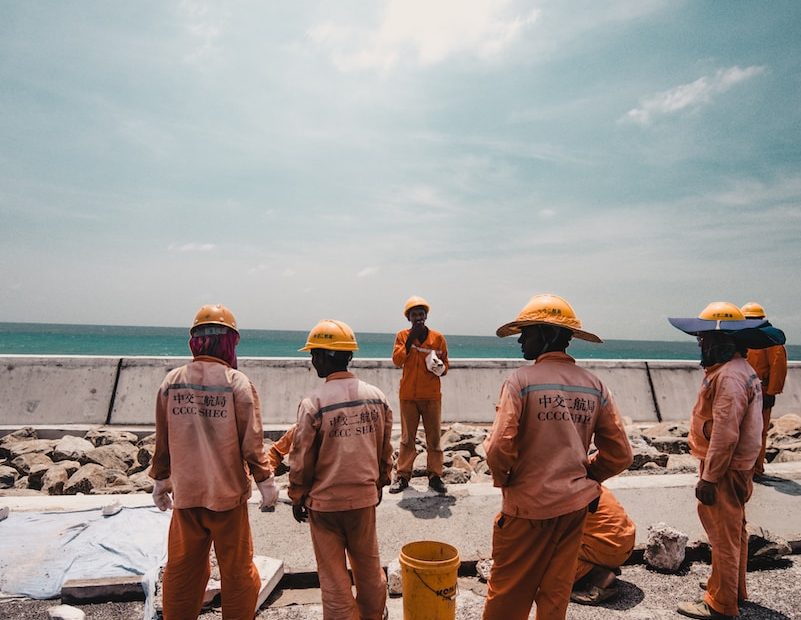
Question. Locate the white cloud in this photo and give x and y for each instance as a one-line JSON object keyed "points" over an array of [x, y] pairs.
{"points": [[367, 271], [692, 95], [191, 247], [430, 32]]}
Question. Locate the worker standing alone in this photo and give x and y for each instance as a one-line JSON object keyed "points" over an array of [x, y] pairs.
{"points": [[339, 462], [209, 434], [423, 354], [537, 452]]}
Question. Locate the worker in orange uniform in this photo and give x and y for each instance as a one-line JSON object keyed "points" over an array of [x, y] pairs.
{"points": [[339, 462], [606, 543], [208, 436], [725, 435], [547, 415], [423, 354], [771, 368]]}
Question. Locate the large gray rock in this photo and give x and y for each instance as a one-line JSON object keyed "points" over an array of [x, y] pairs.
{"points": [[106, 436], [8, 476], [71, 448], [483, 569], [452, 475], [644, 453], [670, 445], [667, 429], [54, 480], [764, 547], [25, 462], [12, 449], [90, 476], [107, 456], [666, 547]]}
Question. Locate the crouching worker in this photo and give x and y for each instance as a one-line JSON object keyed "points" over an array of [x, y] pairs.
{"points": [[726, 436], [339, 462], [607, 541], [208, 436]]}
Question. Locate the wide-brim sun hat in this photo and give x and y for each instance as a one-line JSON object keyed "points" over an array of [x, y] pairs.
{"points": [[547, 309], [725, 317]]}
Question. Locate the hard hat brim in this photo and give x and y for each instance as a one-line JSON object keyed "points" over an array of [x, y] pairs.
{"points": [[695, 326], [515, 327], [751, 333]]}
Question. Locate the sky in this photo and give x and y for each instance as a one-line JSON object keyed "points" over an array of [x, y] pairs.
{"points": [[306, 160]]}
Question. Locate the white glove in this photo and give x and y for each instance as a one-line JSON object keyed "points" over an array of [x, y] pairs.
{"points": [[434, 364], [161, 494], [269, 493]]}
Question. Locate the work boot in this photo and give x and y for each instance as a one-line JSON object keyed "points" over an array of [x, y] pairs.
{"points": [[435, 484], [699, 609], [398, 485]]}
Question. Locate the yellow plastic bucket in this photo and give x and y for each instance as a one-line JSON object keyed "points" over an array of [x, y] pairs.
{"points": [[428, 575]]}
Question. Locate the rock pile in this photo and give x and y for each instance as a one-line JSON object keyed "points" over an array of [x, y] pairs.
{"points": [[108, 461]]}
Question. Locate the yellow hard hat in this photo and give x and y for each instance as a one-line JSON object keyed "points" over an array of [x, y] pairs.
{"points": [[332, 335], [752, 310], [547, 309], [721, 311], [413, 302], [215, 314]]}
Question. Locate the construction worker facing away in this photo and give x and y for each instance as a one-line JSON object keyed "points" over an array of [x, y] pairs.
{"points": [[423, 354], [607, 541], [547, 415], [771, 368], [339, 462], [725, 435], [208, 436]]}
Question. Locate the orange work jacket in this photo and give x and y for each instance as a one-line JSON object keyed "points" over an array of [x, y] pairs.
{"points": [[417, 382], [208, 435], [726, 424], [342, 452], [546, 417], [771, 367]]}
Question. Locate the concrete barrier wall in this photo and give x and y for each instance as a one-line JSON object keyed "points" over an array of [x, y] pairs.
{"points": [[122, 391]]}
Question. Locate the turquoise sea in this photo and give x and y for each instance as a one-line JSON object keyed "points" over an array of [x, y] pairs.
{"points": [[116, 340]]}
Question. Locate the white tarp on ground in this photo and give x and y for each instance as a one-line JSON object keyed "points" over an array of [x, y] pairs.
{"points": [[40, 551]]}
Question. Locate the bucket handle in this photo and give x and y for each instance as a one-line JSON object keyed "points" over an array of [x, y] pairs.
{"points": [[447, 593]]}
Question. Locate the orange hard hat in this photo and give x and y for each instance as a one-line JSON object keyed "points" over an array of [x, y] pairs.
{"points": [[547, 309], [721, 311], [753, 310], [413, 302], [332, 335], [215, 314]]}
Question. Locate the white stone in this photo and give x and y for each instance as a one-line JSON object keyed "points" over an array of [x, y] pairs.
{"points": [[666, 547], [65, 612], [109, 510], [4, 513], [394, 580]]}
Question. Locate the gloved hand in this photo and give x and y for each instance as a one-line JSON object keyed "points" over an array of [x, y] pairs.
{"points": [[161, 494], [300, 513], [706, 492], [269, 493], [768, 400]]}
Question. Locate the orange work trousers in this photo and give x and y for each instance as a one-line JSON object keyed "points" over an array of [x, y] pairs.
{"points": [[593, 552], [192, 530], [724, 523], [759, 468], [533, 560], [411, 412], [353, 532]]}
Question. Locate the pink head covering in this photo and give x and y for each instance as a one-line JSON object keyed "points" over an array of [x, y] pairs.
{"points": [[216, 341]]}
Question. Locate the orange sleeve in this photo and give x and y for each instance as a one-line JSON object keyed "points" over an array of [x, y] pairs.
{"points": [[303, 454], [251, 431], [501, 444], [728, 410], [281, 448], [777, 359], [160, 465], [399, 351], [614, 450]]}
